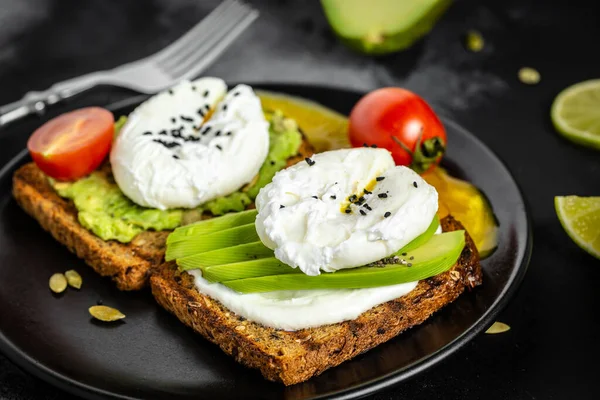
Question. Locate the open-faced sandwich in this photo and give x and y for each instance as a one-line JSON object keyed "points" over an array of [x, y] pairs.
{"points": [[343, 252], [191, 152], [292, 262]]}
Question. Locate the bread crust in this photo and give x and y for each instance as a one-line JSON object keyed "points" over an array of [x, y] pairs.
{"points": [[293, 357], [128, 264]]}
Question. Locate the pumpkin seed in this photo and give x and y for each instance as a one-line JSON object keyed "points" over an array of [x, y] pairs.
{"points": [[498, 327], [73, 278], [529, 76], [58, 283], [106, 314], [474, 41]]}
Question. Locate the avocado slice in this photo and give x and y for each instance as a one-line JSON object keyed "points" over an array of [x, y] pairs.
{"points": [[226, 256], [438, 255], [382, 26], [213, 241]]}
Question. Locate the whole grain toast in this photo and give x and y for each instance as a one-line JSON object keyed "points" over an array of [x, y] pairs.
{"points": [[129, 264], [293, 357]]}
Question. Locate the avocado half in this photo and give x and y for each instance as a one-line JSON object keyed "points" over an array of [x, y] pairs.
{"points": [[382, 26]]}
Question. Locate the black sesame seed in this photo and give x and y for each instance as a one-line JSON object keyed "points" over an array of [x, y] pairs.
{"points": [[206, 130], [201, 112], [415, 184], [361, 200], [236, 94], [374, 146], [281, 206], [224, 107], [387, 214], [187, 119], [403, 254], [228, 133], [409, 265], [170, 91], [362, 212], [382, 195], [175, 156], [272, 162], [365, 145], [205, 94], [367, 192], [218, 133], [352, 198], [163, 132], [348, 210], [194, 87], [207, 107], [368, 207], [168, 145], [176, 133], [219, 147], [380, 178], [173, 120], [309, 162], [315, 197], [333, 196], [147, 133]]}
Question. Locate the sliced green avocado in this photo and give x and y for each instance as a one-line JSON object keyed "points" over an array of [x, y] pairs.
{"points": [[229, 256], [382, 26], [255, 260], [216, 240], [438, 255]]}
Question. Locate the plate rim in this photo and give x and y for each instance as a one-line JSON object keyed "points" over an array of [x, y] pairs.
{"points": [[25, 362]]}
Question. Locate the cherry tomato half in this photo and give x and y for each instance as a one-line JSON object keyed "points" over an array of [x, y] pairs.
{"points": [[74, 144], [402, 122]]}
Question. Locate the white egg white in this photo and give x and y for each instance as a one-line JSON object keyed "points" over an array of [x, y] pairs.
{"points": [[302, 213], [169, 154]]}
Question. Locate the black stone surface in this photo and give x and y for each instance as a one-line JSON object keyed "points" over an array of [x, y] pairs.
{"points": [[551, 350]]}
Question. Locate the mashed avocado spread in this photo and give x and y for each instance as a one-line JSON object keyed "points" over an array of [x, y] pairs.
{"points": [[106, 211]]}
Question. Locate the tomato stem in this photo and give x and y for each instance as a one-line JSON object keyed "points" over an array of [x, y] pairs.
{"points": [[425, 154]]}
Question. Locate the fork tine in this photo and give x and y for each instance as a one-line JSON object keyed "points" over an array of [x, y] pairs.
{"points": [[201, 37], [186, 61], [189, 36], [200, 62]]}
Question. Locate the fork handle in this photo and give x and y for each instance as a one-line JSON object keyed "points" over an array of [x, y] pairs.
{"points": [[35, 102]]}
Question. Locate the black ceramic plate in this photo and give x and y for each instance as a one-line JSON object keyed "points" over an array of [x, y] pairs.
{"points": [[152, 355]]}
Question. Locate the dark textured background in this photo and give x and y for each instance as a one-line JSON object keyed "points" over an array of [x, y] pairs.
{"points": [[551, 350]]}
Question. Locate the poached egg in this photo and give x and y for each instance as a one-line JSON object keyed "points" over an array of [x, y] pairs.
{"points": [[343, 209], [190, 144]]}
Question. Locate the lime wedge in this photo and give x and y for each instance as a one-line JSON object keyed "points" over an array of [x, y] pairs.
{"points": [[580, 217], [575, 113]]}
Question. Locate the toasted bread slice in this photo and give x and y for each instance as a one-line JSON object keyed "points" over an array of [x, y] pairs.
{"points": [[128, 264], [293, 357]]}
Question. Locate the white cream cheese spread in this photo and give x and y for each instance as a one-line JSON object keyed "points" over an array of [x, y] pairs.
{"points": [[293, 310]]}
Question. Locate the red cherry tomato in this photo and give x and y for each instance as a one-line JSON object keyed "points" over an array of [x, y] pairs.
{"points": [[402, 122], [74, 144]]}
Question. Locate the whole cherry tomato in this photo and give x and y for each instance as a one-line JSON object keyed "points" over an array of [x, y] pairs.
{"points": [[402, 122]]}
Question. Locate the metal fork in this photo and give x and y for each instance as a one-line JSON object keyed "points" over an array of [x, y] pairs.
{"points": [[183, 59]]}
